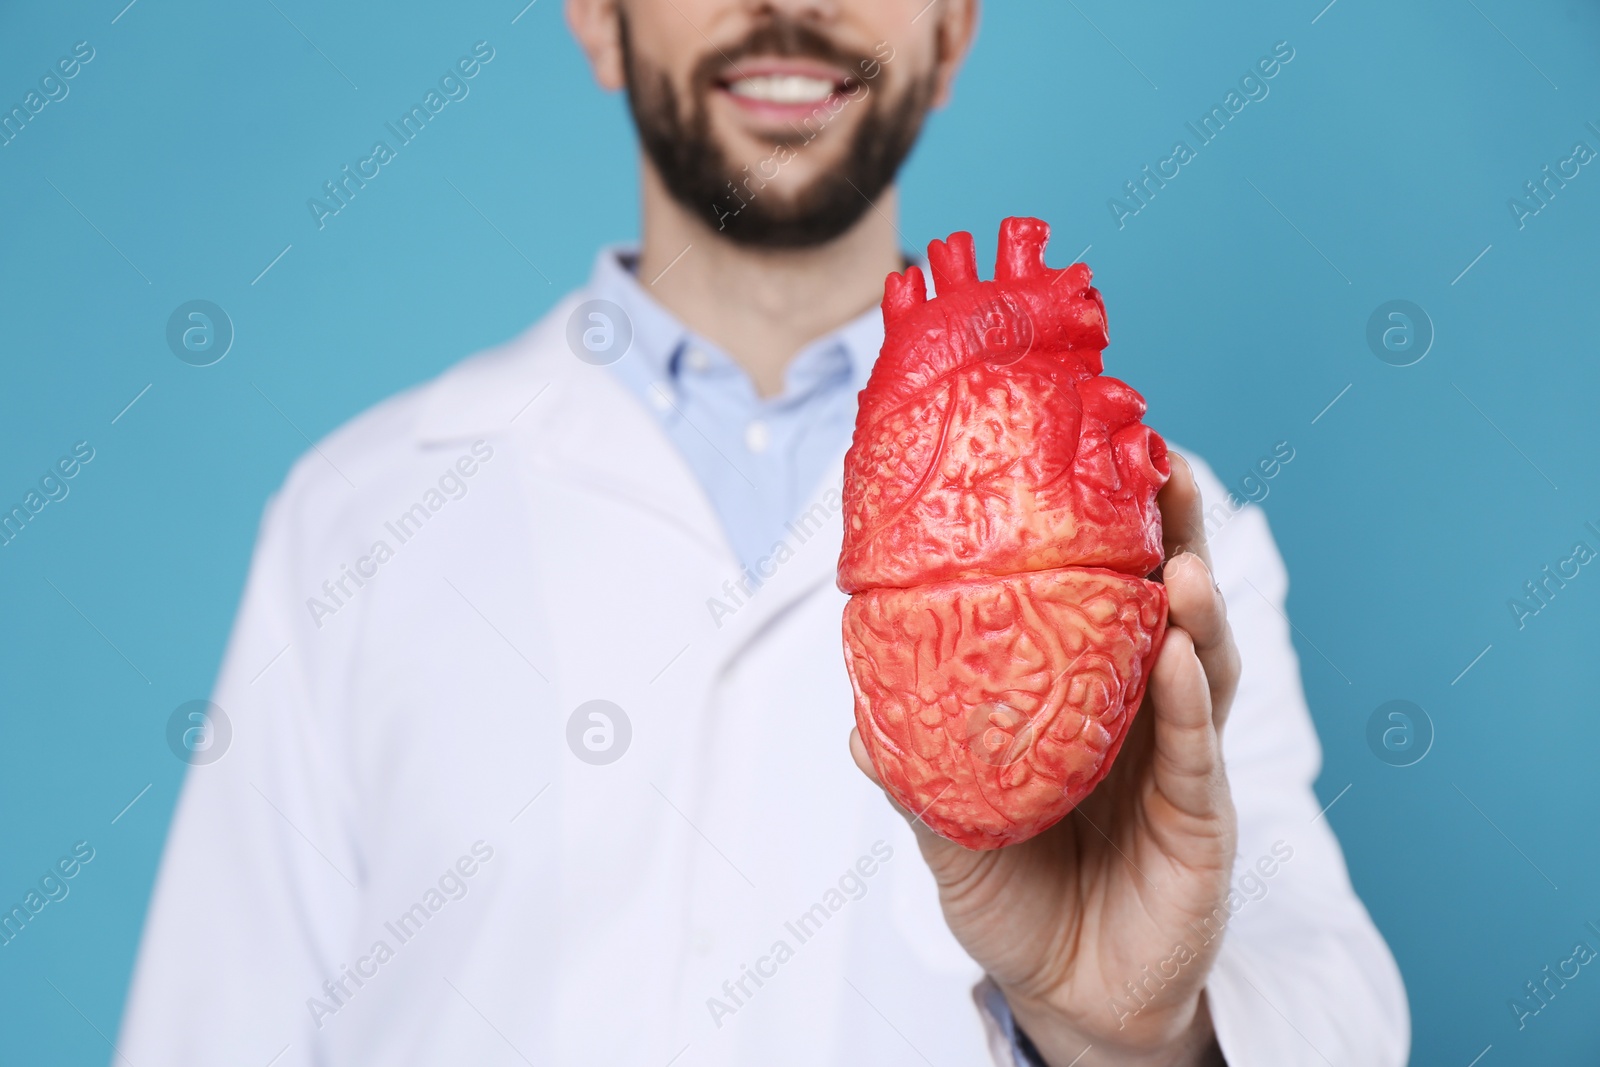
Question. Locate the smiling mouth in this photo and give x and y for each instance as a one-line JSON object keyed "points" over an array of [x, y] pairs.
{"points": [[786, 89], [782, 86]]}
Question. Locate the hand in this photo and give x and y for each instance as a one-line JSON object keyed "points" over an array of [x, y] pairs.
{"points": [[1066, 921]]}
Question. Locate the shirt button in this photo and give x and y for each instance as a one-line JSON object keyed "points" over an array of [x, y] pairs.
{"points": [[704, 942], [756, 436], [698, 360], [659, 399]]}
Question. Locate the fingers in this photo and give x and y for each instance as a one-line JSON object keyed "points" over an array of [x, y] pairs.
{"points": [[1196, 606], [858, 752], [1197, 671], [1195, 602], [1187, 760], [1183, 527]]}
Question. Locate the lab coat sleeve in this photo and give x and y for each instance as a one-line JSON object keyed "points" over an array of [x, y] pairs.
{"points": [[257, 885], [1303, 976]]}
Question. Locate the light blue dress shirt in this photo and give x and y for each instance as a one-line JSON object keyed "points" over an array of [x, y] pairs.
{"points": [[759, 460]]}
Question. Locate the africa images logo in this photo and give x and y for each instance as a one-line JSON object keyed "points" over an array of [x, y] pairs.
{"points": [[451, 485], [452, 885], [453, 87], [852, 885], [1253, 88], [797, 532]]}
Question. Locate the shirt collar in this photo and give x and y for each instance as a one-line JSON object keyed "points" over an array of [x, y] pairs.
{"points": [[657, 334], [659, 338]]}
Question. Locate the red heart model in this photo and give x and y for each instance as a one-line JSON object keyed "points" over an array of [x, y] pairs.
{"points": [[1000, 519]]}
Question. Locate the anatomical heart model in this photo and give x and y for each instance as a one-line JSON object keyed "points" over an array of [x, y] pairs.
{"points": [[1000, 521]]}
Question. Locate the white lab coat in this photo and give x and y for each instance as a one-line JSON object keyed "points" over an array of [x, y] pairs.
{"points": [[394, 735]]}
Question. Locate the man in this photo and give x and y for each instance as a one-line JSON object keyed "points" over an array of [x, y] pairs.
{"points": [[539, 714]]}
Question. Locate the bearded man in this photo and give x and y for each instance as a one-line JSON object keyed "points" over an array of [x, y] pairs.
{"points": [[541, 728]]}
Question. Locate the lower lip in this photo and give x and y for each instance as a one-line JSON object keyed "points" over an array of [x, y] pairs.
{"points": [[777, 112]]}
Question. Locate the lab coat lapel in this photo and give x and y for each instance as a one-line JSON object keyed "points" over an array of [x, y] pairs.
{"points": [[574, 422], [802, 562]]}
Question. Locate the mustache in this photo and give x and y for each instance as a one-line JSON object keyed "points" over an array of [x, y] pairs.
{"points": [[782, 36]]}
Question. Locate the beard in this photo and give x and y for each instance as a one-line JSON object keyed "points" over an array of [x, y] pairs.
{"points": [[698, 174]]}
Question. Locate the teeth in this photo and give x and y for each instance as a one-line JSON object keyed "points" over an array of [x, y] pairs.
{"points": [[783, 89]]}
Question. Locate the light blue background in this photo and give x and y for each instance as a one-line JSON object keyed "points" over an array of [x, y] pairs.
{"points": [[1409, 517]]}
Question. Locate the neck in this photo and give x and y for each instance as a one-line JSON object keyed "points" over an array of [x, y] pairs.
{"points": [[762, 305]]}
